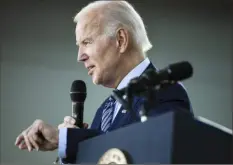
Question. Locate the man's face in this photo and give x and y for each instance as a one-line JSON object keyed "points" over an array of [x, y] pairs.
{"points": [[98, 52]]}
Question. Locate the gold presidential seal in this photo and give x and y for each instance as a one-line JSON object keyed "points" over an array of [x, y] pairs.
{"points": [[113, 156]]}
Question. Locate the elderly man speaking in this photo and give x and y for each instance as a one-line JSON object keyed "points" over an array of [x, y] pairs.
{"points": [[113, 43]]}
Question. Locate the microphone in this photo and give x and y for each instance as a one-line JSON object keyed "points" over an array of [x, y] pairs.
{"points": [[172, 73], [149, 81], [78, 95], [155, 78]]}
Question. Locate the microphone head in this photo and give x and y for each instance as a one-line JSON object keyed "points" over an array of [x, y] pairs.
{"points": [[180, 70], [78, 91]]}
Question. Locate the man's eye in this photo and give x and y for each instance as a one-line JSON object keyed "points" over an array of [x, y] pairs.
{"points": [[87, 42]]}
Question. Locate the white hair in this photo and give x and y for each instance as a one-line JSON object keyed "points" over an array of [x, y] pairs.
{"points": [[120, 14]]}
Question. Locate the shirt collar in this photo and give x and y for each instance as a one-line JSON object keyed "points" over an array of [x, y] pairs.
{"points": [[137, 71]]}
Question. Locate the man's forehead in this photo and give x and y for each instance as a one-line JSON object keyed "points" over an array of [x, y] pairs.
{"points": [[79, 31], [86, 29], [82, 32]]}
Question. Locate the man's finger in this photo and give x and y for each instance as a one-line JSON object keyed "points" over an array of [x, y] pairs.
{"points": [[26, 140], [19, 139], [22, 145], [69, 120], [34, 144]]}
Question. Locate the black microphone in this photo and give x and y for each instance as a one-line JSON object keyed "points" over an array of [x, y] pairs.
{"points": [[151, 78], [172, 73], [78, 95]]}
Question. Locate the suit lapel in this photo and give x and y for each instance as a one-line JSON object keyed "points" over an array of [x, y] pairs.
{"points": [[117, 119]]}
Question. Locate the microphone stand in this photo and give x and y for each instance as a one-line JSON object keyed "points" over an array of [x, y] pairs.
{"points": [[150, 95], [125, 97], [129, 100], [148, 104]]}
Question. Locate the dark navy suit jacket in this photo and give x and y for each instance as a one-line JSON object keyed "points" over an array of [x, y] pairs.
{"points": [[169, 99], [172, 98]]}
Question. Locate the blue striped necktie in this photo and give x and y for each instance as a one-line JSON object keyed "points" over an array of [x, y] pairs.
{"points": [[108, 114]]}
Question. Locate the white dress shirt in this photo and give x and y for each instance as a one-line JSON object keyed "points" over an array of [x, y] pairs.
{"points": [[137, 71]]}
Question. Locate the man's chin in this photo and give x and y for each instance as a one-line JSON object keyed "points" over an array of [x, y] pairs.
{"points": [[95, 80], [95, 83]]}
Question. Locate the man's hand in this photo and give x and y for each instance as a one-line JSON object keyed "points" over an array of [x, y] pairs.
{"points": [[69, 123], [39, 136]]}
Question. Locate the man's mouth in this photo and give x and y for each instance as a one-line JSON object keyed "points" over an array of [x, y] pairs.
{"points": [[90, 67]]}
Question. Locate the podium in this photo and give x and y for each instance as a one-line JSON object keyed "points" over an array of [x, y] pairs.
{"points": [[172, 137]]}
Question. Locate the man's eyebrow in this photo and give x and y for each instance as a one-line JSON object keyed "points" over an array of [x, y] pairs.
{"points": [[84, 39]]}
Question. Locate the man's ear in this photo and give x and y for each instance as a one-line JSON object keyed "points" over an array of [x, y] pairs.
{"points": [[122, 39]]}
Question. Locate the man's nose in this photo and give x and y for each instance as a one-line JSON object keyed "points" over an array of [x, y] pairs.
{"points": [[82, 56]]}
